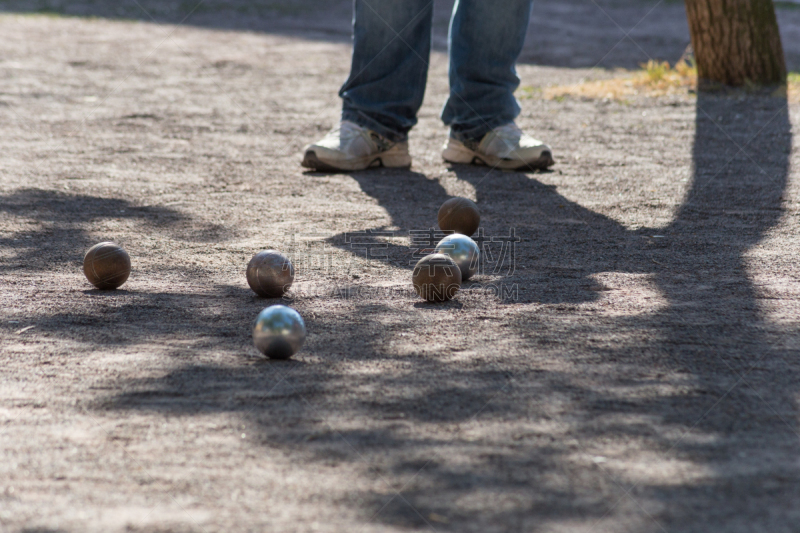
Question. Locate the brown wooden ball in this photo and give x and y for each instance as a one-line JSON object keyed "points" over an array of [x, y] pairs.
{"points": [[460, 215], [436, 278], [106, 265]]}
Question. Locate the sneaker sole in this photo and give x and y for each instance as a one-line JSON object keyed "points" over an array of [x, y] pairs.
{"points": [[465, 156], [310, 160]]}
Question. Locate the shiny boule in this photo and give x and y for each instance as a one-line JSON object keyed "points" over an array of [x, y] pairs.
{"points": [[279, 332], [106, 265], [436, 278], [270, 274], [463, 251], [460, 215]]}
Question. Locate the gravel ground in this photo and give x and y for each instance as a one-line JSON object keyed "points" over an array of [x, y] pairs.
{"points": [[627, 360]]}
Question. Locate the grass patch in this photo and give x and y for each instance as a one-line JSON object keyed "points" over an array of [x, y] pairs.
{"points": [[654, 79]]}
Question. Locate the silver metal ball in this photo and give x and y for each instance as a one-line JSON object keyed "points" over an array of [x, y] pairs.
{"points": [[270, 274], [463, 251], [279, 332]]}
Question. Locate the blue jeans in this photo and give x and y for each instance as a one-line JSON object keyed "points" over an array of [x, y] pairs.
{"points": [[391, 50]]}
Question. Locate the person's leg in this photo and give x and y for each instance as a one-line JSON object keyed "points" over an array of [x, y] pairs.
{"points": [[485, 40], [391, 50], [380, 99]]}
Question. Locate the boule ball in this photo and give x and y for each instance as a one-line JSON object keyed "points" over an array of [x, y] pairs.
{"points": [[279, 332], [463, 251], [460, 215], [106, 265], [270, 274], [436, 278]]}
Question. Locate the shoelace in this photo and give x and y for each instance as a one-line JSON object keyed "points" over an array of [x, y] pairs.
{"points": [[509, 135], [346, 132], [507, 130]]}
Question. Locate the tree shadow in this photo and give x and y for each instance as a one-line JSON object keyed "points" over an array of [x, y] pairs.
{"points": [[738, 419], [721, 379], [741, 378], [564, 33], [61, 223], [714, 326], [129, 318]]}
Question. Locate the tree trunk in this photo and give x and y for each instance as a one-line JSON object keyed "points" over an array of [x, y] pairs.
{"points": [[736, 42]]}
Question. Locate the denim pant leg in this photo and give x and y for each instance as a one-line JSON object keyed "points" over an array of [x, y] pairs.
{"points": [[486, 37], [391, 51]]}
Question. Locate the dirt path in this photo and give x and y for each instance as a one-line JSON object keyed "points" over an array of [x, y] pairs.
{"points": [[636, 370]]}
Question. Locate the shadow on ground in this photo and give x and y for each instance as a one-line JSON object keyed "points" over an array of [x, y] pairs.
{"points": [[733, 418], [61, 223], [563, 33]]}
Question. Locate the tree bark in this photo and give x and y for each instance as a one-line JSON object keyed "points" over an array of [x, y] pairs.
{"points": [[736, 42]]}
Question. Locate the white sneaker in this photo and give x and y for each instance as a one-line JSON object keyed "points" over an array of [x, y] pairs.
{"points": [[505, 147], [353, 147]]}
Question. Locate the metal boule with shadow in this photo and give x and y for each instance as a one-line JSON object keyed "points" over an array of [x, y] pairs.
{"points": [[270, 274], [106, 265], [436, 278], [460, 215], [463, 251], [279, 332]]}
